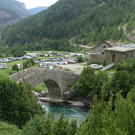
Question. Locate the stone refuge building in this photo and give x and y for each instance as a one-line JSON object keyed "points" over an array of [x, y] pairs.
{"points": [[116, 54], [98, 51], [100, 47]]}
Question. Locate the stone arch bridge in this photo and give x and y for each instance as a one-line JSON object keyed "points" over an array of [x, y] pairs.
{"points": [[57, 81]]}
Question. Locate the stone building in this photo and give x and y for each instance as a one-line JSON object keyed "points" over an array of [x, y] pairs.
{"points": [[100, 47], [116, 54], [96, 56]]}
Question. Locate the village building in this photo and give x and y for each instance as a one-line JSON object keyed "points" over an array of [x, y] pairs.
{"points": [[100, 47], [116, 54], [98, 51]]}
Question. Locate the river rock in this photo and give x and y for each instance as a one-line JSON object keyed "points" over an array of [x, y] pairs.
{"points": [[44, 93], [77, 103], [37, 94], [66, 95], [70, 101]]}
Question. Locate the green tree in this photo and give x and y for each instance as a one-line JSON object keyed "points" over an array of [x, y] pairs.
{"points": [[90, 82], [103, 119], [120, 81], [17, 102]]}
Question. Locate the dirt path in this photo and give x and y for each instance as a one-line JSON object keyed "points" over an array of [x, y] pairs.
{"points": [[76, 68]]}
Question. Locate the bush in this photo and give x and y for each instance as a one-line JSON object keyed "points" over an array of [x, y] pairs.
{"points": [[28, 63], [104, 62], [17, 102], [80, 59], [39, 125], [15, 67], [122, 65], [45, 125], [76, 88]]}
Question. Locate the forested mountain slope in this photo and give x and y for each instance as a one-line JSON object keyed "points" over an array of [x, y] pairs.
{"points": [[11, 12], [16, 6], [91, 21], [7, 17]]}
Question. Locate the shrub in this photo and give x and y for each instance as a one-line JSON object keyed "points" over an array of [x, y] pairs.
{"points": [[104, 62], [15, 67], [39, 125], [80, 59], [28, 63], [76, 88], [122, 65], [17, 102]]}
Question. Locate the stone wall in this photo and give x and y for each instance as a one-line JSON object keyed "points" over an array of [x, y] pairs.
{"points": [[96, 56], [57, 81], [100, 48], [122, 55]]}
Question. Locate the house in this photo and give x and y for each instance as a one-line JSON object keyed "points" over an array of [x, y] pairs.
{"points": [[116, 54], [100, 47]]}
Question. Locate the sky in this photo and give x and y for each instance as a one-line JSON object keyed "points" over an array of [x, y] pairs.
{"points": [[36, 3]]}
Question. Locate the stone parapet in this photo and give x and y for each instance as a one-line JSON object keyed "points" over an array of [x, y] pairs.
{"points": [[57, 81]]}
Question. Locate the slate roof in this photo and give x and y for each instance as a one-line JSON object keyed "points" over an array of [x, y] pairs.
{"points": [[111, 44], [120, 49]]}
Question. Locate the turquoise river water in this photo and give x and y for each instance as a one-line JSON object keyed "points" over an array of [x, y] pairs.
{"points": [[79, 113]]}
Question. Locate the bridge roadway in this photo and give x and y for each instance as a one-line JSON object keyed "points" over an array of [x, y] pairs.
{"points": [[57, 81]]}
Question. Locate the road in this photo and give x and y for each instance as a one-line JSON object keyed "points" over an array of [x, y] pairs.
{"points": [[76, 68]]}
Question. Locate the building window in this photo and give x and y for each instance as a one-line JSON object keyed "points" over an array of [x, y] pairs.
{"points": [[107, 57], [119, 58], [104, 46]]}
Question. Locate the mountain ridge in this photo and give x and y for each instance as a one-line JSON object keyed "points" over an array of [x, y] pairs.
{"points": [[11, 12]]}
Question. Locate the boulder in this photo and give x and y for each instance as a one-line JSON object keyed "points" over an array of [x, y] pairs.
{"points": [[66, 95], [77, 103], [37, 94], [70, 101], [45, 93]]}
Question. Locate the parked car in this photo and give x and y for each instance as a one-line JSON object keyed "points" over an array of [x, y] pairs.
{"points": [[68, 61], [96, 66], [72, 61], [50, 59], [86, 59], [75, 60], [62, 62], [3, 66], [46, 55], [41, 55], [37, 60]]}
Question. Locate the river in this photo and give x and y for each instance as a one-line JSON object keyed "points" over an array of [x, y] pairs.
{"points": [[72, 112]]}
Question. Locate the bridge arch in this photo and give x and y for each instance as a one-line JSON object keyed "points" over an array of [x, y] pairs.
{"points": [[57, 81]]}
